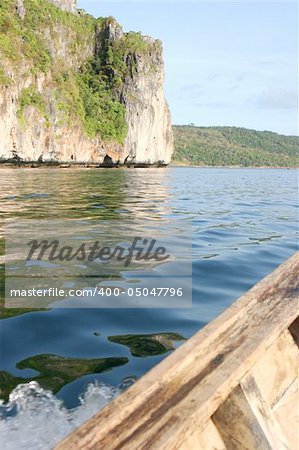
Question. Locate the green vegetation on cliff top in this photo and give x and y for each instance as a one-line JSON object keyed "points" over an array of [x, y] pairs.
{"points": [[88, 97], [27, 40], [232, 146]]}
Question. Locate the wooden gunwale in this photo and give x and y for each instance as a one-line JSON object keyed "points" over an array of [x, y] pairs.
{"points": [[182, 403]]}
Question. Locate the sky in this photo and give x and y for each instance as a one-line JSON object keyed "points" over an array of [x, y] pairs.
{"points": [[226, 63]]}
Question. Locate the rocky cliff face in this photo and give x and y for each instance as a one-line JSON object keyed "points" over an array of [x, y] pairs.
{"points": [[149, 135], [68, 5], [149, 138], [79, 67]]}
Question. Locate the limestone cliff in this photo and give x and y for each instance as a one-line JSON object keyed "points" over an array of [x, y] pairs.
{"points": [[78, 89], [68, 5]]}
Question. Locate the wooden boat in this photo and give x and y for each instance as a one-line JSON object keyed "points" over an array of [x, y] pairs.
{"points": [[233, 386]]}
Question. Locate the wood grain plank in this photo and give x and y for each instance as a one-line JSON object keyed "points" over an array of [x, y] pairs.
{"points": [[264, 414], [278, 368], [208, 439], [287, 414], [238, 426], [246, 417]]}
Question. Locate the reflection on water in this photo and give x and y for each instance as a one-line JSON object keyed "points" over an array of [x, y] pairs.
{"points": [[244, 225], [142, 345], [55, 371], [84, 194]]}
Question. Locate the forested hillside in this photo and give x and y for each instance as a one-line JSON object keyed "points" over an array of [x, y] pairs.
{"points": [[231, 146]]}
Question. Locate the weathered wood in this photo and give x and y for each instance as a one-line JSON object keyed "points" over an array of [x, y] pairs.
{"points": [[278, 368], [208, 439], [238, 425], [176, 399], [286, 411], [264, 414]]}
